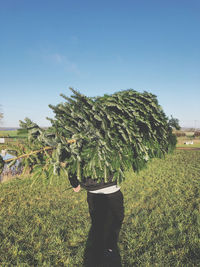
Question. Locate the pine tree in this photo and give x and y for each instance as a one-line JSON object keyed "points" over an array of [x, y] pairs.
{"points": [[111, 134]]}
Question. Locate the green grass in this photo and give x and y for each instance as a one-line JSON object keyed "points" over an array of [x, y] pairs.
{"points": [[182, 140], [13, 138], [13, 134], [44, 225], [195, 145], [8, 133]]}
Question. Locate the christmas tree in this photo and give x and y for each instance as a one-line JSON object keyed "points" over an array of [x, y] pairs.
{"points": [[101, 136]]}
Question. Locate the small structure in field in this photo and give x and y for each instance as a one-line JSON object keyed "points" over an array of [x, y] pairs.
{"points": [[3, 152], [189, 143], [2, 140]]}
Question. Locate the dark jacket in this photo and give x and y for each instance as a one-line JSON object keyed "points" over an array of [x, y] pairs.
{"points": [[91, 184]]}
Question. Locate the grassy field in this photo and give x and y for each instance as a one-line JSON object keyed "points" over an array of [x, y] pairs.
{"points": [[182, 140], [12, 136], [189, 136], [8, 133], [47, 225]]}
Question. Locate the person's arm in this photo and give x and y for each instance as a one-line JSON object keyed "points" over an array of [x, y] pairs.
{"points": [[74, 183]]}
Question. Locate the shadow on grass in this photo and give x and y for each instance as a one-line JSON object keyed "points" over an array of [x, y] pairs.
{"points": [[92, 260]]}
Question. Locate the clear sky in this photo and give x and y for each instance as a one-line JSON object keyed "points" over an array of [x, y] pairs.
{"points": [[98, 47]]}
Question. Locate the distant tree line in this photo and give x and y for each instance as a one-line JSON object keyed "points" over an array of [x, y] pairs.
{"points": [[183, 134]]}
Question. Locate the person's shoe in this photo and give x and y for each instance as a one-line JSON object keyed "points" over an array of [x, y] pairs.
{"points": [[109, 254], [112, 256]]}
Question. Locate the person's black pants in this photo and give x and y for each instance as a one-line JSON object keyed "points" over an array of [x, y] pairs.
{"points": [[107, 214]]}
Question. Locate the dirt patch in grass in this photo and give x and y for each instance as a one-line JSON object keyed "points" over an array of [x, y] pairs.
{"points": [[188, 148]]}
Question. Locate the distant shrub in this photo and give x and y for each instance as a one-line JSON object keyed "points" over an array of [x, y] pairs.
{"points": [[180, 134], [197, 134]]}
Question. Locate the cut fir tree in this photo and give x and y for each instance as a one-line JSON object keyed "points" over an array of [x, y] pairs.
{"points": [[111, 134]]}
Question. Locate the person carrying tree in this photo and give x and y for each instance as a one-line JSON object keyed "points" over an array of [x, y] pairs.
{"points": [[105, 202]]}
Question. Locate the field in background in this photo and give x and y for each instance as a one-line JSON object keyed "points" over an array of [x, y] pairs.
{"points": [[189, 137], [8, 133], [47, 225], [13, 134]]}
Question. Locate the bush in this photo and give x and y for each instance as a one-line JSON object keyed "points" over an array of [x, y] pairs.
{"points": [[197, 134], [180, 134]]}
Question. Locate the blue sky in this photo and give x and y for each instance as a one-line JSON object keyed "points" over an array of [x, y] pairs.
{"points": [[98, 47]]}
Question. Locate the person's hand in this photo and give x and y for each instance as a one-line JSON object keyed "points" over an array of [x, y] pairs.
{"points": [[77, 189]]}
